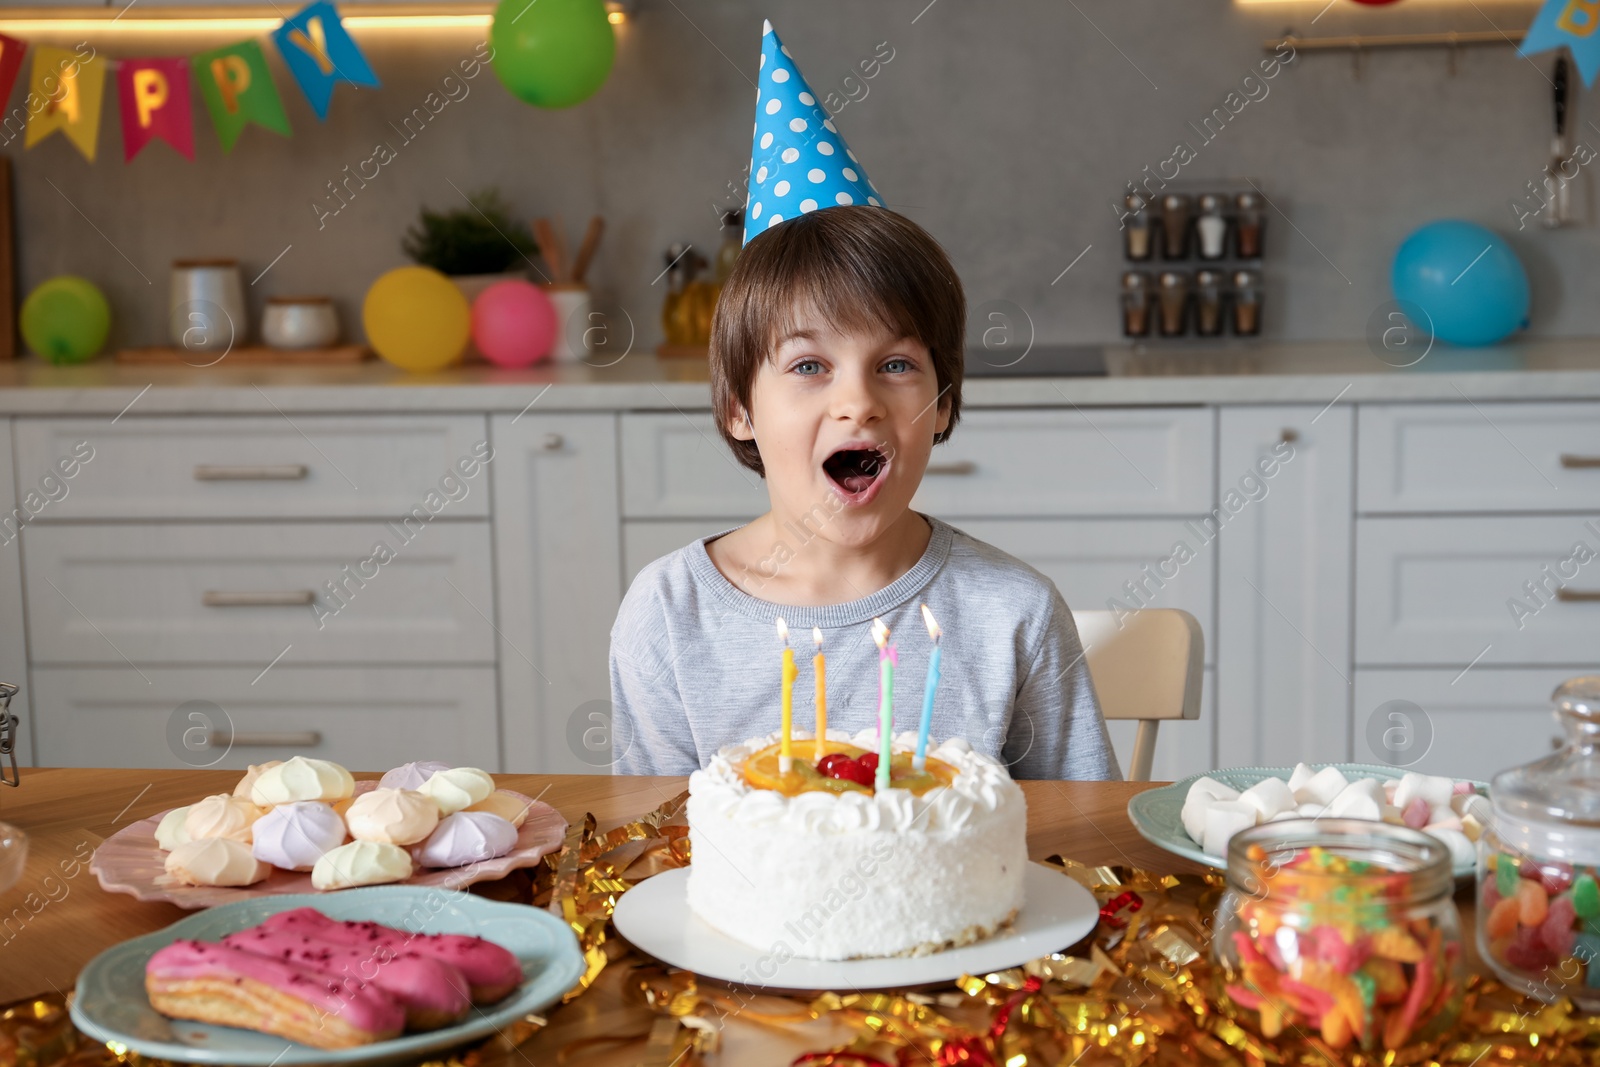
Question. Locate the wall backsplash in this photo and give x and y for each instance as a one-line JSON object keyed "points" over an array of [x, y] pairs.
{"points": [[1006, 128]]}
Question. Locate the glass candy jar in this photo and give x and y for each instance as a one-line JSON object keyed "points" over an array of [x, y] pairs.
{"points": [[1343, 929], [1539, 862]]}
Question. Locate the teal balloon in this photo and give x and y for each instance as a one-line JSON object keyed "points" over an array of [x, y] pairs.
{"points": [[1468, 280], [552, 53], [66, 319]]}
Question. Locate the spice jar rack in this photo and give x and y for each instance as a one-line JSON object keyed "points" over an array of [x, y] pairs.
{"points": [[1193, 252]]}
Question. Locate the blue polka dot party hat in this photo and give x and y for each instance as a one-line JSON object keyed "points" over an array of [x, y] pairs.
{"points": [[798, 162]]}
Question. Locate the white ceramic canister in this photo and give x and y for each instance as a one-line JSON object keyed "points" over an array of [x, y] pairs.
{"points": [[206, 311], [571, 303], [300, 322]]}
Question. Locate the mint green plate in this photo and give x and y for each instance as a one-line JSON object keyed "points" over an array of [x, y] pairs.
{"points": [[111, 1004], [1156, 813]]}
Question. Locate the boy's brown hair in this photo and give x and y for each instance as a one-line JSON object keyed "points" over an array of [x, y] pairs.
{"points": [[864, 267]]}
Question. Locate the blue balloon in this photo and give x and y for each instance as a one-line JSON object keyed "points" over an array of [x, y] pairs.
{"points": [[1466, 278]]}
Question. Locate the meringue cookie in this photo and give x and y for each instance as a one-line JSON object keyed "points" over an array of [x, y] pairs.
{"points": [[458, 788], [294, 836], [393, 816], [361, 863], [222, 815], [255, 770], [411, 775], [467, 837], [302, 779], [216, 861], [509, 806], [170, 832]]}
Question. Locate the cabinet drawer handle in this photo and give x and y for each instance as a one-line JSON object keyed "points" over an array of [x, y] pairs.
{"points": [[280, 472], [552, 442], [1575, 596], [964, 466], [1572, 462], [287, 598], [290, 739]]}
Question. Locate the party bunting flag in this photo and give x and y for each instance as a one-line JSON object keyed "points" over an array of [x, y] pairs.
{"points": [[153, 95], [319, 53], [237, 88], [72, 90], [11, 52], [1574, 23]]}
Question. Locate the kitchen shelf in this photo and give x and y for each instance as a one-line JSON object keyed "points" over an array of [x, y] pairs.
{"points": [[1357, 42]]}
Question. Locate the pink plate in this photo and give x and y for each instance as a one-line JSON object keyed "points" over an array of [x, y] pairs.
{"points": [[129, 862]]}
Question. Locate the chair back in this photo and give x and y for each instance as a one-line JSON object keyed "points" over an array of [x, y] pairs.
{"points": [[1148, 666]]}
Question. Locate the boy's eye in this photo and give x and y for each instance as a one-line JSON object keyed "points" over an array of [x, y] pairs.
{"points": [[897, 365], [808, 367]]}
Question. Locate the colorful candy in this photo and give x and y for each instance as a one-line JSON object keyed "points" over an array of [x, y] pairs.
{"points": [[1342, 948], [1542, 919]]}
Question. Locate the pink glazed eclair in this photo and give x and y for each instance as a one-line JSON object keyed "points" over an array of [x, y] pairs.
{"points": [[491, 971], [226, 986]]}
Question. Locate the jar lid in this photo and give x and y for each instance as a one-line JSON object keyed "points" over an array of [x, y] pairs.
{"points": [[1551, 807], [1174, 279], [1208, 277], [1135, 279], [1210, 203]]}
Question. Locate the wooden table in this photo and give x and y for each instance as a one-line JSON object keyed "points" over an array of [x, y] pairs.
{"points": [[57, 917]]}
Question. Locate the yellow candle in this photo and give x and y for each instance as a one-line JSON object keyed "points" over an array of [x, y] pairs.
{"points": [[785, 755], [822, 695]]}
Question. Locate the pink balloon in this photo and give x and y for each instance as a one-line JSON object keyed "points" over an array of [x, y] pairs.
{"points": [[513, 323]]}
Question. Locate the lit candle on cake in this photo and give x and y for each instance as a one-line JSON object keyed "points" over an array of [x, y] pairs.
{"points": [[886, 662], [785, 756], [822, 695], [932, 683]]}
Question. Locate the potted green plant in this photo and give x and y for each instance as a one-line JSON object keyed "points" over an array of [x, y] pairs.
{"points": [[476, 245]]}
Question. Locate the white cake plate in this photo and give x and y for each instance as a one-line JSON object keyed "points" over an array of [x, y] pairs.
{"points": [[654, 915]]}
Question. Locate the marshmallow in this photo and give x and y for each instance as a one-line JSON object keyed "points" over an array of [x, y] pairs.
{"points": [[1322, 787], [1270, 797], [1310, 811], [1354, 803], [1202, 794], [1301, 775], [1224, 819]]}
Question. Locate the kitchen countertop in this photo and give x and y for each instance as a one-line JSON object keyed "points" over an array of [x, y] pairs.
{"points": [[1313, 373]]}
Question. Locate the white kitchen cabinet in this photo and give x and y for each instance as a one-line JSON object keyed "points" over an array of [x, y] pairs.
{"points": [[122, 594], [1494, 589], [1427, 458], [646, 541], [558, 564], [267, 467], [1282, 636], [369, 719], [1467, 725], [677, 466], [13, 640]]}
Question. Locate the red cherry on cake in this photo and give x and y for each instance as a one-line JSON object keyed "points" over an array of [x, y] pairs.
{"points": [[828, 766], [869, 760], [853, 771]]}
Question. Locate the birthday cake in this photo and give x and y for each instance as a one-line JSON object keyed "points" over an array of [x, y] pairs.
{"points": [[820, 864]]}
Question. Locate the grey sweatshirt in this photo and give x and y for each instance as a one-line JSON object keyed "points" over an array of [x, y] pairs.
{"points": [[696, 663]]}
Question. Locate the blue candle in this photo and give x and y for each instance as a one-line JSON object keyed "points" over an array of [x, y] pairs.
{"points": [[921, 760]]}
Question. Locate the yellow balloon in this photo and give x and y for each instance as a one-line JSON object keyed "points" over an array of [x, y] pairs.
{"points": [[417, 319]]}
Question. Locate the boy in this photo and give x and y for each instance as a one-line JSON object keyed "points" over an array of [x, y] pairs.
{"points": [[836, 363]]}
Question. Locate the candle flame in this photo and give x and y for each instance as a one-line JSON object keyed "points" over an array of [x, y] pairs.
{"points": [[783, 630], [816, 636], [880, 632], [933, 626]]}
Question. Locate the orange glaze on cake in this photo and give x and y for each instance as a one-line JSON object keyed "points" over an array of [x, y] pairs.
{"points": [[761, 771]]}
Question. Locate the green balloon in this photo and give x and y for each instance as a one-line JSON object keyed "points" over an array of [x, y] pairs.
{"points": [[66, 319], [552, 53]]}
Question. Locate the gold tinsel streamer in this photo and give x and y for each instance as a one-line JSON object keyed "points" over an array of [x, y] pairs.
{"points": [[1139, 995]]}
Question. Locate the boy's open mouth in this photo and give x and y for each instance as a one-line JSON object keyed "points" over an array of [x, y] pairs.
{"points": [[855, 469]]}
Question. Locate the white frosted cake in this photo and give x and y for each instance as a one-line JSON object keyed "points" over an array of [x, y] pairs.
{"points": [[839, 871]]}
